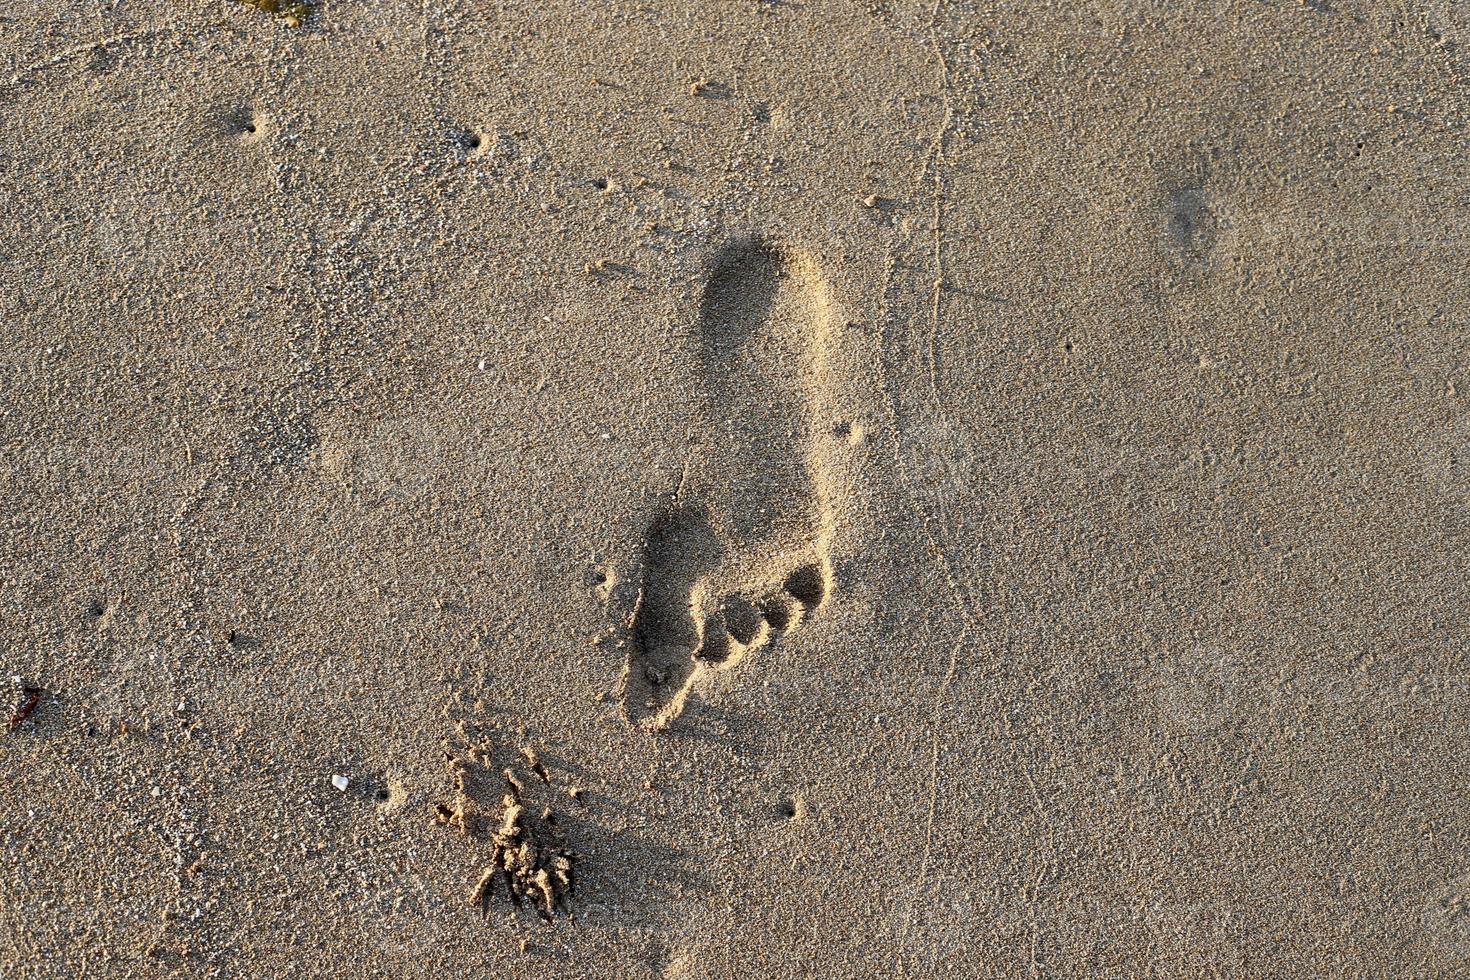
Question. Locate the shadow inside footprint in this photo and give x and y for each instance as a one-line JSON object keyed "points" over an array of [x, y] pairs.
{"points": [[681, 550], [739, 296], [807, 585]]}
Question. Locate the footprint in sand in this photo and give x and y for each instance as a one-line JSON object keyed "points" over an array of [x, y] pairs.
{"points": [[740, 556]]}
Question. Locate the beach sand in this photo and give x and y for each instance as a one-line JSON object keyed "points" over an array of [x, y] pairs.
{"points": [[970, 490]]}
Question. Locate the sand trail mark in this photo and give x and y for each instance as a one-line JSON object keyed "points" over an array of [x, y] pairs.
{"points": [[740, 555]]}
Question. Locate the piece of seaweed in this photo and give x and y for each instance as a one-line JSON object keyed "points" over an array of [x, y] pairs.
{"points": [[293, 12]]}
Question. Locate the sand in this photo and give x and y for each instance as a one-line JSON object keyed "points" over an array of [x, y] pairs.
{"points": [[956, 490]]}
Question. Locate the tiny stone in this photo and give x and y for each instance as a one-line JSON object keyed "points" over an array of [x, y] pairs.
{"points": [[341, 782]]}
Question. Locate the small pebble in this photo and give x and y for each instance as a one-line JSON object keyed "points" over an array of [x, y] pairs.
{"points": [[341, 782]]}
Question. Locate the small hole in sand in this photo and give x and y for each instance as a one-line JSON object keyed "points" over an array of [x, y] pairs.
{"points": [[242, 123], [464, 140], [390, 795], [241, 640], [600, 183], [791, 808]]}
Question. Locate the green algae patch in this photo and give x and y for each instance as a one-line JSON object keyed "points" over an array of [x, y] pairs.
{"points": [[293, 12]]}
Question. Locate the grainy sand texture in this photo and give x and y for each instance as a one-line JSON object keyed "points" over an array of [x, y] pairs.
{"points": [[724, 489]]}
